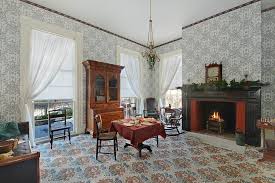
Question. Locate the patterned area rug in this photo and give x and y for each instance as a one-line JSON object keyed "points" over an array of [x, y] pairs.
{"points": [[177, 159]]}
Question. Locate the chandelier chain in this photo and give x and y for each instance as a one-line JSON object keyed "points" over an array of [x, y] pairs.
{"points": [[150, 54]]}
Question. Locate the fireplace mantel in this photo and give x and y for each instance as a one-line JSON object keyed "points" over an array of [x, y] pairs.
{"points": [[248, 109]]}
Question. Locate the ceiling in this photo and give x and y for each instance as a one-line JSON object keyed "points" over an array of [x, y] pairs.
{"points": [[267, 3], [129, 18]]}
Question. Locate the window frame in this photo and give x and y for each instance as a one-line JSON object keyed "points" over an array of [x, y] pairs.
{"points": [[27, 25]]}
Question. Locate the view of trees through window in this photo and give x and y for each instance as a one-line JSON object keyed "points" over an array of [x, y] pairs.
{"points": [[41, 108], [174, 98]]}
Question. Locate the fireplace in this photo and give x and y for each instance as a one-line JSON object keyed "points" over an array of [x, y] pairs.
{"points": [[233, 114], [237, 109], [218, 116]]}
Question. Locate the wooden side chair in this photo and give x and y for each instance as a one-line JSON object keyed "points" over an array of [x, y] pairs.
{"points": [[102, 135], [58, 125]]}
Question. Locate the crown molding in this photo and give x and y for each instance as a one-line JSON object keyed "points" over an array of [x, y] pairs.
{"points": [[221, 13], [80, 21], [174, 40], [268, 9]]}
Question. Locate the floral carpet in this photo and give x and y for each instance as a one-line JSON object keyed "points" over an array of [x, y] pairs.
{"points": [[177, 159]]}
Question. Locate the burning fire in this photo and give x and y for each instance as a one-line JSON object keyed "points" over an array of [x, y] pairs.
{"points": [[216, 117]]}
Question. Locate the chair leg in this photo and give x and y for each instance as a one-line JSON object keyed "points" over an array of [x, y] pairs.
{"points": [[99, 148], [157, 138], [178, 130], [116, 145], [69, 135], [51, 141], [64, 135], [96, 149], [115, 148]]}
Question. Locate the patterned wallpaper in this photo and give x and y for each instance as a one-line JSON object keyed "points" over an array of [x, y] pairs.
{"points": [[98, 45], [169, 47], [268, 63], [233, 38]]}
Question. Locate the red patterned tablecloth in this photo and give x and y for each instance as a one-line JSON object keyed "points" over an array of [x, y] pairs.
{"points": [[139, 132]]}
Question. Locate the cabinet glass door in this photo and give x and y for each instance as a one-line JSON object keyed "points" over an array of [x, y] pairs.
{"points": [[113, 88], [100, 88]]}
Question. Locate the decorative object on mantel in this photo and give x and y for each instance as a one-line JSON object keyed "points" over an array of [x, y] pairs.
{"points": [[213, 72], [222, 85], [150, 55]]}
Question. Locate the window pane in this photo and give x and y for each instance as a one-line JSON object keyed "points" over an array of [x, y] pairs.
{"points": [[174, 98], [125, 87], [177, 81], [99, 88], [61, 86], [41, 109], [41, 119]]}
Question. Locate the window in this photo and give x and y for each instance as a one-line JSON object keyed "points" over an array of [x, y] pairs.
{"points": [[130, 90], [173, 96], [42, 73], [59, 93], [41, 108], [125, 88], [62, 85]]}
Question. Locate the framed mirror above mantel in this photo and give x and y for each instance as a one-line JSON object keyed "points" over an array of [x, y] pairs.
{"points": [[213, 72]]}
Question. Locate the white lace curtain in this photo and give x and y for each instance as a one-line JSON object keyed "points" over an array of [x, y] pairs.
{"points": [[48, 52], [133, 67], [169, 66]]}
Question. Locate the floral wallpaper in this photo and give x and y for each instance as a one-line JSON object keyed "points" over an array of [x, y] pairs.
{"points": [[169, 47], [234, 39], [268, 63], [98, 45]]}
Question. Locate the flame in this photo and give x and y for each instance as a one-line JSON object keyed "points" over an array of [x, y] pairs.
{"points": [[215, 116]]}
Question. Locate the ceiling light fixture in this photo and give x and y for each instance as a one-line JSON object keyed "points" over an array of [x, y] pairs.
{"points": [[150, 55]]}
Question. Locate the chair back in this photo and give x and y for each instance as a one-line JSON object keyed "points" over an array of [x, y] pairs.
{"points": [[177, 115], [151, 104], [98, 122], [178, 112], [58, 115]]}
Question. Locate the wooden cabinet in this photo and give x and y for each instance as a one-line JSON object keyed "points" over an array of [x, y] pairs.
{"points": [[102, 93]]}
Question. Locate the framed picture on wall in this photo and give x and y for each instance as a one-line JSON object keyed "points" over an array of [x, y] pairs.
{"points": [[213, 72]]}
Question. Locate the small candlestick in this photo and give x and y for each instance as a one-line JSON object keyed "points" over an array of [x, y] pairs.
{"points": [[245, 76]]}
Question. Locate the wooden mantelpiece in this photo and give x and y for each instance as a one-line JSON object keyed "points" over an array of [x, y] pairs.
{"points": [[248, 109]]}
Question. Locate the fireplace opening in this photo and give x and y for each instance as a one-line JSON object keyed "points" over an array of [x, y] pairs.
{"points": [[219, 117]]}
